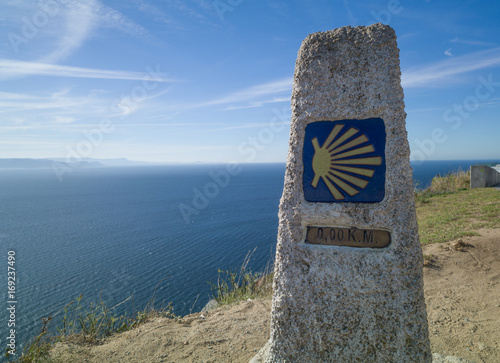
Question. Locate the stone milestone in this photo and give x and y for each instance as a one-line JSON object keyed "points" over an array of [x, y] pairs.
{"points": [[348, 283]]}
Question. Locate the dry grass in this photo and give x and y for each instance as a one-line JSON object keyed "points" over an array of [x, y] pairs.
{"points": [[240, 284], [86, 324], [450, 183], [449, 209]]}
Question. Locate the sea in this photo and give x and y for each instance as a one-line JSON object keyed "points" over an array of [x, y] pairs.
{"points": [[129, 235]]}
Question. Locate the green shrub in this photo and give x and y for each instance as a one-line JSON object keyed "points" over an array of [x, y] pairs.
{"points": [[241, 284], [450, 183], [88, 324]]}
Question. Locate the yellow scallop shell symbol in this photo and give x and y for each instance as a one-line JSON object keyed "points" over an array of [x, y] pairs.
{"points": [[329, 162]]}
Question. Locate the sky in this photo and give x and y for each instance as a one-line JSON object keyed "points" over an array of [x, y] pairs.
{"points": [[211, 80]]}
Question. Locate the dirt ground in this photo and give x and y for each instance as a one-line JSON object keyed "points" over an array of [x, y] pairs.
{"points": [[462, 293]]}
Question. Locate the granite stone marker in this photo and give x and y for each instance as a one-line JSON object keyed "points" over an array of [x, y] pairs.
{"points": [[348, 283]]}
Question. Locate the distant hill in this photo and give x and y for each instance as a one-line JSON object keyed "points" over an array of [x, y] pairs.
{"points": [[28, 163], [42, 163], [112, 162]]}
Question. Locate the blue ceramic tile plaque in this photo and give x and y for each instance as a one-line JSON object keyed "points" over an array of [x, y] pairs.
{"points": [[344, 161]]}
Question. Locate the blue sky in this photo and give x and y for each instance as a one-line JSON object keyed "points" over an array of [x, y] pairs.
{"points": [[210, 81]]}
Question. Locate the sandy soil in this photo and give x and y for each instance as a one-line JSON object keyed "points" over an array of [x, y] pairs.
{"points": [[463, 302], [462, 293]]}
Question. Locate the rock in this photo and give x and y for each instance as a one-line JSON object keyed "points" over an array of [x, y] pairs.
{"points": [[460, 245], [439, 358], [262, 354], [212, 304], [349, 302]]}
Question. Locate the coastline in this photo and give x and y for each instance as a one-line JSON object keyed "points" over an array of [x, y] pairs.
{"points": [[463, 309]]}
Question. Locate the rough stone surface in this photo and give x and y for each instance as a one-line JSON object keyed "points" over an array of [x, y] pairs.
{"points": [[345, 304], [482, 176], [439, 358], [212, 304]]}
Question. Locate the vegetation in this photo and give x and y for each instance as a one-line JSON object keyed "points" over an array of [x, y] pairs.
{"points": [[449, 209], [447, 184], [429, 260], [235, 285], [92, 323], [86, 325]]}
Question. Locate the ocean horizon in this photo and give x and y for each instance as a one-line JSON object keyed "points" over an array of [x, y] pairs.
{"points": [[110, 233]]}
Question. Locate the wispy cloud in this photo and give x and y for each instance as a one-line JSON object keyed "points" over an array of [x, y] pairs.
{"points": [[250, 126], [448, 52], [352, 18], [259, 103], [128, 106], [63, 110], [14, 68], [110, 18], [70, 24], [428, 109], [172, 12], [474, 42], [250, 97], [252, 93], [79, 19], [56, 104], [443, 72], [495, 102], [64, 119], [18, 124]]}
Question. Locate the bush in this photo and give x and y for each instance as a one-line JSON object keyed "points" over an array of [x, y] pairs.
{"points": [[453, 182], [240, 284], [450, 183], [86, 325]]}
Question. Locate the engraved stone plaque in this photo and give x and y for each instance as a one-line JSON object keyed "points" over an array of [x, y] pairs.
{"points": [[351, 237]]}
